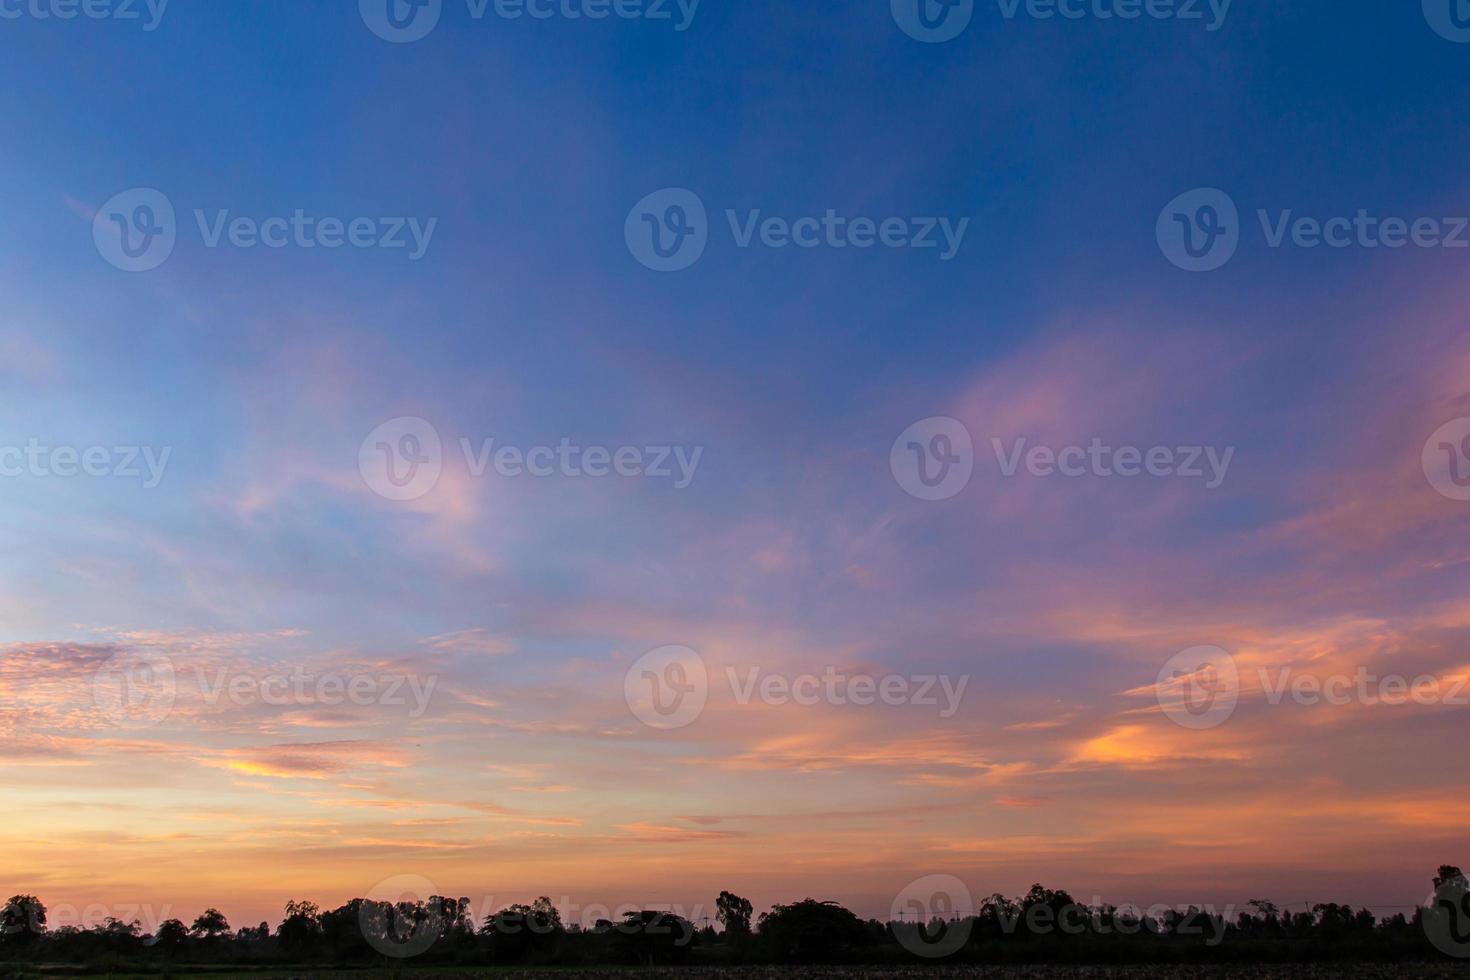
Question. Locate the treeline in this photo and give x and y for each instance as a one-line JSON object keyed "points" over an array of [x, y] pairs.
{"points": [[1042, 926]]}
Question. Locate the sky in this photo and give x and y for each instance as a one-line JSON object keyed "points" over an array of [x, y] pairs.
{"points": [[299, 628]]}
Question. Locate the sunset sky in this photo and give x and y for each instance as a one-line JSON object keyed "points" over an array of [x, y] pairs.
{"points": [[517, 605]]}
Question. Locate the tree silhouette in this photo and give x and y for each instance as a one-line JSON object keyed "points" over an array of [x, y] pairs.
{"points": [[809, 930], [171, 936], [1447, 919], [1448, 874], [1263, 919], [210, 924], [1043, 925], [22, 920], [734, 913], [518, 931], [454, 915], [349, 930], [301, 926], [651, 937]]}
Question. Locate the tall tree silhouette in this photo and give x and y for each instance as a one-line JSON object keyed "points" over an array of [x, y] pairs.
{"points": [[22, 920], [210, 924], [734, 913], [301, 927], [810, 930], [171, 936]]}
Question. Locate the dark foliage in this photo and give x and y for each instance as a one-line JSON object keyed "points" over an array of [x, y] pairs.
{"points": [[1041, 926]]}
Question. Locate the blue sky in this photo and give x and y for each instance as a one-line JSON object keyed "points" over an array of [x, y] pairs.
{"points": [[528, 320]]}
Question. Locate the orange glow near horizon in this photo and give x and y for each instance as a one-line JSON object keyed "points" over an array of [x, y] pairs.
{"points": [[506, 762]]}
